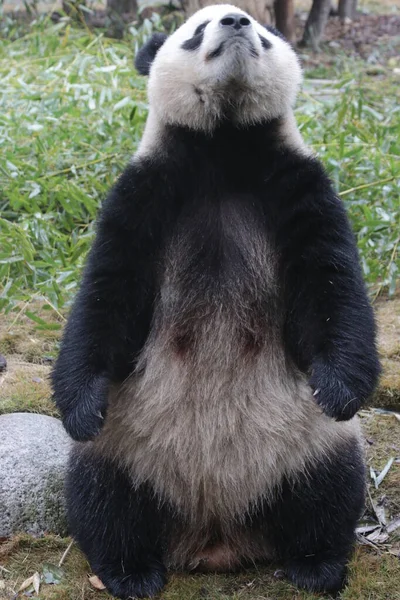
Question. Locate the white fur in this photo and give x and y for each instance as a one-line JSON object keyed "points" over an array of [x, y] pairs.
{"points": [[187, 88]]}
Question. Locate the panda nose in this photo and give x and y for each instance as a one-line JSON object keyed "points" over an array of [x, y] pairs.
{"points": [[235, 20]]}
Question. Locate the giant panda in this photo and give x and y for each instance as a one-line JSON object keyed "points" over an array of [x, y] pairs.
{"points": [[222, 340]]}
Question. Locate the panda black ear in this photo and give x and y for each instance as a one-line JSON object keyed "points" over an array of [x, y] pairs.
{"points": [[276, 32], [147, 53]]}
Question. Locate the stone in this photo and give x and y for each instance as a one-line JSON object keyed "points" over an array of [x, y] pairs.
{"points": [[33, 457]]}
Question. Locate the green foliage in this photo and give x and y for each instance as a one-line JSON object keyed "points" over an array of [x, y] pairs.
{"points": [[71, 114], [72, 111], [354, 126]]}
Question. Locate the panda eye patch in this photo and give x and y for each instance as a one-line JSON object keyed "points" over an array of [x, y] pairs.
{"points": [[266, 44], [195, 42], [201, 28]]}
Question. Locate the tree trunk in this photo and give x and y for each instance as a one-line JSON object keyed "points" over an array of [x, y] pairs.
{"points": [[116, 11], [284, 18], [316, 23], [261, 10], [122, 6], [347, 9]]}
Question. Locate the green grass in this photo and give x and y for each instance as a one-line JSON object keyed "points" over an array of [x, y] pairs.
{"points": [[372, 577], [72, 111]]}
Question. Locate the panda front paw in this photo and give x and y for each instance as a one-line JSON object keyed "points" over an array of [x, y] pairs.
{"points": [[85, 421], [336, 399]]}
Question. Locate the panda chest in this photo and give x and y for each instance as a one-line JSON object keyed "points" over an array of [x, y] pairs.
{"points": [[219, 285]]}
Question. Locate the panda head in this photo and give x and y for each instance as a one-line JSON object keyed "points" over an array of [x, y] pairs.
{"points": [[220, 64]]}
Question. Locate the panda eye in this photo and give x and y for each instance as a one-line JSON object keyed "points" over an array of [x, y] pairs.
{"points": [[201, 28]]}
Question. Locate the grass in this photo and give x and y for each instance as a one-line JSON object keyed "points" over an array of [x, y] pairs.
{"points": [[372, 577], [72, 111]]}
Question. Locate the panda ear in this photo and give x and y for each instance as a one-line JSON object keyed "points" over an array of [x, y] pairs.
{"points": [[147, 53], [276, 32]]}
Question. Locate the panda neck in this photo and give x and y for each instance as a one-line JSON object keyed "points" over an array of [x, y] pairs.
{"points": [[280, 134]]}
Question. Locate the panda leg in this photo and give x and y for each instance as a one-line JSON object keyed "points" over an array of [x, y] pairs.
{"points": [[312, 521], [117, 526]]}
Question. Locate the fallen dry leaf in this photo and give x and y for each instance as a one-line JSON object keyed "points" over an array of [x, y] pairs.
{"points": [[393, 525], [36, 582], [378, 536], [25, 584], [96, 583]]}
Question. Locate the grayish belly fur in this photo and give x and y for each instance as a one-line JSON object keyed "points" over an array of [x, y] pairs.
{"points": [[216, 414]]}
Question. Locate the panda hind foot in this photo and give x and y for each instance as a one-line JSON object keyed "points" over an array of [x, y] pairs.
{"points": [[324, 576], [144, 583]]}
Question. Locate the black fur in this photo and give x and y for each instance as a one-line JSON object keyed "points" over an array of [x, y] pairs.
{"points": [[328, 332], [329, 325], [195, 42], [148, 52], [311, 524], [117, 527], [276, 32], [266, 44], [125, 532]]}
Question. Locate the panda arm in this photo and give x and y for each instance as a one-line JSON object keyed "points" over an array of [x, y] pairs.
{"points": [[111, 316], [330, 327]]}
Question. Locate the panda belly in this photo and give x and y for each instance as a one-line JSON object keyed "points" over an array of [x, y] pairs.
{"points": [[216, 415]]}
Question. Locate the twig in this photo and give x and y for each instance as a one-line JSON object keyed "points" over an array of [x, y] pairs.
{"points": [[64, 556], [4, 569], [388, 267], [54, 308], [76, 167], [366, 185]]}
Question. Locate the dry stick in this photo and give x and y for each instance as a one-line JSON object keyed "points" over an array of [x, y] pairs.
{"points": [[4, 569], [65, 553]]}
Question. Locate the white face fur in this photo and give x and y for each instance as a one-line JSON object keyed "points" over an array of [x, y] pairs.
{"points": [[220, 63]]}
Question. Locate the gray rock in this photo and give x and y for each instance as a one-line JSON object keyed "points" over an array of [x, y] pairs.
{"points": [[33, 456]]}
